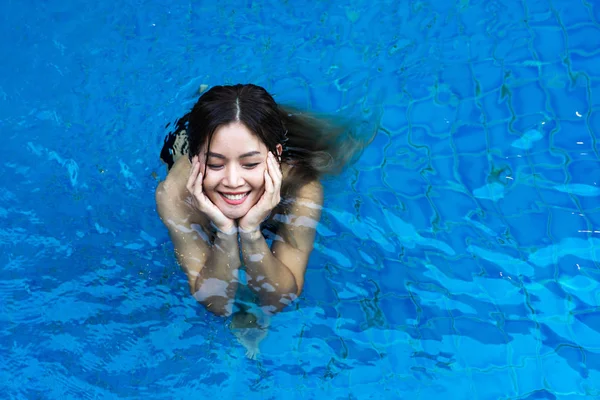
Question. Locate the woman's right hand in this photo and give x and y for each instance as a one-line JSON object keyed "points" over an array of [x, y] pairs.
{"points": [[202, 203]]}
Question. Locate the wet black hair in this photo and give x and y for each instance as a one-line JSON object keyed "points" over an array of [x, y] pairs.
{"points": [[250, 105], [313, 145]]}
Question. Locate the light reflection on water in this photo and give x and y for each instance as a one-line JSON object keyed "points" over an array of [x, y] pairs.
{"points": [[458, 256]]}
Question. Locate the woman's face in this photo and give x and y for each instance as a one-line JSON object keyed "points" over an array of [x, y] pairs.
{"points": [[234, 178]]}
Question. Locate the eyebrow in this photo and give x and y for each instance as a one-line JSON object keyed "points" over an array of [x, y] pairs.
{"points": [[222, 157]]}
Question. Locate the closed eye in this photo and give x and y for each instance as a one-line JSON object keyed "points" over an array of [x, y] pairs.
{"points": [[214, 166], [251, 166]]}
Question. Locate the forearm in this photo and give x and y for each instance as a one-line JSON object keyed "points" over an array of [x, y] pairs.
{"points": [[272, 280], [217, 281]]}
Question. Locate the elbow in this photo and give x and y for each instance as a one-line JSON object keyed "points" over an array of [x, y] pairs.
{"points": [[218, 306], [284, 296], [213, 294], [219, 309], [296, 290], [274, 298]]}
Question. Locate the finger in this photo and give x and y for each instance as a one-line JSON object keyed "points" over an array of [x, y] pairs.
{"points": [[268, 183], [192, 177], [198, 185], [277, 178], [270, 164], [202, 163], [276, 167], [275, 172]]}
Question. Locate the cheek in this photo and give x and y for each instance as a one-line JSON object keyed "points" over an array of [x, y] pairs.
{"points": [[210, 181], [257, 178]]}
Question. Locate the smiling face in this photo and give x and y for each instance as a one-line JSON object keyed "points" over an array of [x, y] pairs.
{"points": [[234, 178]]}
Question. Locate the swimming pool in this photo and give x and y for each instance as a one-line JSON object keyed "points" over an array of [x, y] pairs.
{"points": [[459, 258]]}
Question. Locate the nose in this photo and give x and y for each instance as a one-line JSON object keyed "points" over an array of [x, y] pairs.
{"points": [[233, 177]]}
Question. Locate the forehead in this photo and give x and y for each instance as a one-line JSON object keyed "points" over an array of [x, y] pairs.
{"points": [[235, 138]]}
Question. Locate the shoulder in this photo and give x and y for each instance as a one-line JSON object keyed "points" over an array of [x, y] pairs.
{"points": [[311, 191], [308, 197], [171, 195], [296, 235], [172, 202], [177, 176], [302, 216]]}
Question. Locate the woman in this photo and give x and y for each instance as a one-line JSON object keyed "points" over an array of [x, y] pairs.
{"points": [[242, 207]]}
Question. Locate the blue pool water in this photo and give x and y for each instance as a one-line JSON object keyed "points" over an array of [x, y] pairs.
{"points": [[459, 258]]}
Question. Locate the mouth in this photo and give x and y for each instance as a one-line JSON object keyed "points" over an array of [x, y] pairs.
{"points": [[234, 199]]}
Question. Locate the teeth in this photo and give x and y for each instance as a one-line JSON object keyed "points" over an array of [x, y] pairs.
{"points": [[235, 196]]}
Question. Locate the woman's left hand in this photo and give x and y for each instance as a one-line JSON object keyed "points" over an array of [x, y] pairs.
{"points": [[269, 200]]}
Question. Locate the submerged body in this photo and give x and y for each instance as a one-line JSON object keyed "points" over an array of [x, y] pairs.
{"points": [[209, 250], [242, 201]]}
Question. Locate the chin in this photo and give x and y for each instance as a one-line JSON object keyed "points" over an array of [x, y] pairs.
{"points": [[235, 212], [234, 215]]}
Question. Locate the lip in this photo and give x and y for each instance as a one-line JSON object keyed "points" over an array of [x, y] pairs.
{"points": [[234, 202]]}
